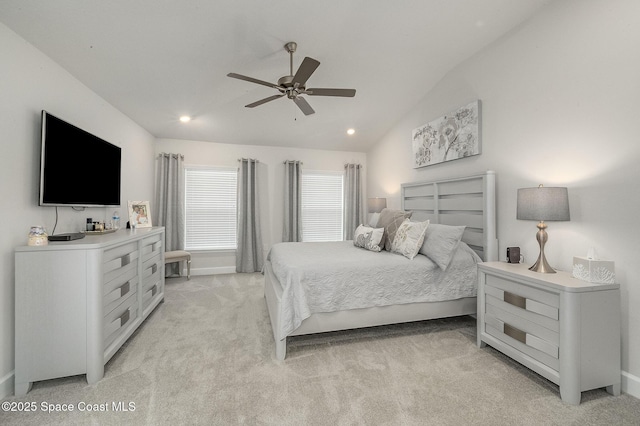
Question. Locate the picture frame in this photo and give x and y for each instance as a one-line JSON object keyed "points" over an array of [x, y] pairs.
{"points": [[139, 214], [453, 136]]}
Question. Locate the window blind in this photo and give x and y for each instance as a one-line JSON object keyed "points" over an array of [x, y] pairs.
{"points": [[210, 208], [322, 205]]}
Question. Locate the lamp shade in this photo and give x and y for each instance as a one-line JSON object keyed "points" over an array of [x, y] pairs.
{"points": [[543, 204], [375, 205]]}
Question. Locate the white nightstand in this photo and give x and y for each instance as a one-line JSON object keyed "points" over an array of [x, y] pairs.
{"points": [[562, 328]]}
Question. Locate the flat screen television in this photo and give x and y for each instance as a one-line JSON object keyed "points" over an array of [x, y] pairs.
{"points": [[77, 169]]}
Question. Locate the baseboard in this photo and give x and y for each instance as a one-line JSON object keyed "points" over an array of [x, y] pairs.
{"points": [[211, 271], [6, 385], [630, 384]]}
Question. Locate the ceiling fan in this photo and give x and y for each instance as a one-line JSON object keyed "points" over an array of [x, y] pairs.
{"points": [[293, 85]]}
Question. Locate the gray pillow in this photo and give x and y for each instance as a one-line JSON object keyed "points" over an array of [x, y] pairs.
{"points": [[440, 242], [391, 220]]}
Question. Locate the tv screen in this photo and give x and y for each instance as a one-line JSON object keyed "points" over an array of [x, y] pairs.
{"points": [[77, 168]]}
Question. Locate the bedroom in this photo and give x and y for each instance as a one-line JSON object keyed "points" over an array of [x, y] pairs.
{"points": [[559, 94]]}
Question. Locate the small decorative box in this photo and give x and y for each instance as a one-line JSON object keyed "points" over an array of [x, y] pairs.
{"points": [[594, 271]]}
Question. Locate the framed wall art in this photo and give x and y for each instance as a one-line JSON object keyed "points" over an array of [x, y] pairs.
{"points": [[139, 214], [450, 137]]}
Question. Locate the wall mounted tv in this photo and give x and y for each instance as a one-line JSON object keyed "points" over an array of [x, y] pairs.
{"points": [[77, 169]]}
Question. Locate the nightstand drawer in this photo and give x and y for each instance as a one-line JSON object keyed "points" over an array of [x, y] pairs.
{"points": [[524, 297], [538, 349], [517, 311]]}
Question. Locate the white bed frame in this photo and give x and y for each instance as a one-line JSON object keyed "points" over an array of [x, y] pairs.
{"points": [[469, 201]]}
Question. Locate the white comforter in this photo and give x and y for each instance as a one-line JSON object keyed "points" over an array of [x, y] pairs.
{"points": [[336, 276]]}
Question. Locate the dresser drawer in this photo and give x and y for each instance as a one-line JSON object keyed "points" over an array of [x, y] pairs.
{"points": [[150, 294], [117, 321], [151, 246], [151, 270], [119, 260], [117, 290]]}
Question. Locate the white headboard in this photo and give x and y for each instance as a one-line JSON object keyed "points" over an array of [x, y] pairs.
{"points": [[469, 200]]}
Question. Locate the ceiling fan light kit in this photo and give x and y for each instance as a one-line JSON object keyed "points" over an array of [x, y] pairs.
{"points": [[293, 85]]}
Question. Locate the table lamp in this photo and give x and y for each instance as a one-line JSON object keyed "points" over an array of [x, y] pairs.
{"points": [[543, 204]]}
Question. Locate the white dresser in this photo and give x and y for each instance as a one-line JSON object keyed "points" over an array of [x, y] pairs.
{"points": [[78, 301], [564, 329]]}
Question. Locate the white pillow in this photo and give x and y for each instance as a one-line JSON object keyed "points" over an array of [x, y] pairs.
{"points": [[368, 238], [440, 243], [409, 238]]}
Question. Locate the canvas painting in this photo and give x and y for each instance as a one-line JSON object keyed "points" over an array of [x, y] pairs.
{"points": [[450, 137], [139, 214]]}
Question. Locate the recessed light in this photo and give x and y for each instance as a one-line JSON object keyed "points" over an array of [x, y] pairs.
{"points": [[185, 119], [351, 131]]}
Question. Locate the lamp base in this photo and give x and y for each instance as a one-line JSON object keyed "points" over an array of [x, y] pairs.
{"points": [[541, 264]]}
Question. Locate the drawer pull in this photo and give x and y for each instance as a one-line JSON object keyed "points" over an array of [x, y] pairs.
{"points": [[515, 333], [126, 259], [125, 288], [515, 300], [125, 317]]}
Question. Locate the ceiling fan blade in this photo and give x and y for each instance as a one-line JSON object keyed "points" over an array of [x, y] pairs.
{"points": [[307, 67], [303, 105], [347, 93], [252, 80], [264, 101]]}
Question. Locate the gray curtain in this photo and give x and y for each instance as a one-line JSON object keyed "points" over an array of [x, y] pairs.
{"points": [[249, 252], [292, 226], [353, 201], [169, 210]]}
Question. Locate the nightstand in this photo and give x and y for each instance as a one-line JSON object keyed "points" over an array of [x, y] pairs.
{"points": [[564, 329]]}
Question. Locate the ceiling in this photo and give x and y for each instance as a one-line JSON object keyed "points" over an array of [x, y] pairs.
{"points": [[156, 60]]}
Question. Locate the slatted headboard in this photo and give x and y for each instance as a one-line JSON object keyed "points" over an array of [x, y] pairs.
{"points": [[469, 201]]}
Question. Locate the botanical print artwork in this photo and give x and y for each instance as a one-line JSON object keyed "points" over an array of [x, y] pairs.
{"points": [[455, 135]]}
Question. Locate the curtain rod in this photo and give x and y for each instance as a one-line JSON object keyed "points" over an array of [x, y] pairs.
{"points": [[292, 161], [247, 159]]}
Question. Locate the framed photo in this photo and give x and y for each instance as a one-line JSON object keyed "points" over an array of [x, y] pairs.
{"points": [[139, 214], [450, 137]]}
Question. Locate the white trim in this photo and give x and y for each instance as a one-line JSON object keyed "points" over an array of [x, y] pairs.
{"points": [[631, 384], [7, 385], [212, 271]]}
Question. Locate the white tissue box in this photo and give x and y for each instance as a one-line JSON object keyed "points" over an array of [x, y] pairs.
{"points": [[594, 271]]}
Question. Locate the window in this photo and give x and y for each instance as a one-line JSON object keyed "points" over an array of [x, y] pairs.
{"points": [[210, 208], [322, 206]]}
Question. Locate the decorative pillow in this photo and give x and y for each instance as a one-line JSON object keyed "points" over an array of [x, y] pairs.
{"points": [[440, 242], [368, 238], [391, 220], [409, 238]]}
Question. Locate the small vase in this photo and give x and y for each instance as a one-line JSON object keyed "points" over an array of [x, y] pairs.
{"points": [[38, 236]]}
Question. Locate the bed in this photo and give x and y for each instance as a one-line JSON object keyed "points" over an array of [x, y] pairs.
{"points": [[320, 287]]}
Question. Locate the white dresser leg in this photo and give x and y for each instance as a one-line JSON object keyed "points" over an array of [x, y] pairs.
{"points": [[614, 389], [22, 388]]}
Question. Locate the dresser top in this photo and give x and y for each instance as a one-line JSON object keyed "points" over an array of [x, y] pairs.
{"points": [[92, 242], [561, 280]]}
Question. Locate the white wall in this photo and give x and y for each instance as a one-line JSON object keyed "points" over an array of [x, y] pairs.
{"points": [[30, 82], [272, 178], [560, 107]]}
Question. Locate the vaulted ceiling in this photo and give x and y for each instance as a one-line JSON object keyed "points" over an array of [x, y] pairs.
{"points": [[156, 60]]}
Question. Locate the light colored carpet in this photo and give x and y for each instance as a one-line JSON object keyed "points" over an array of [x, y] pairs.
{"points": [[206, 356]]}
